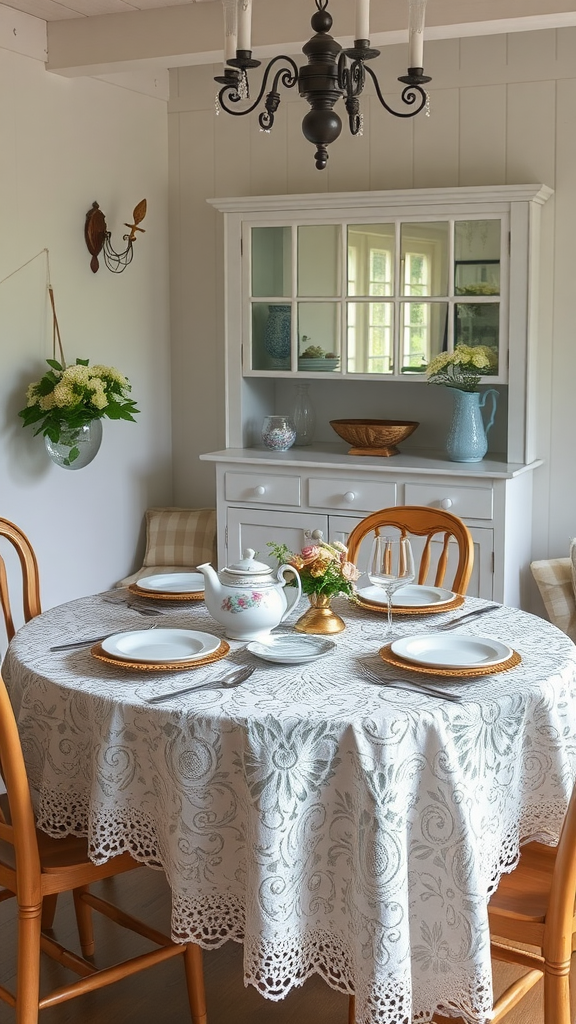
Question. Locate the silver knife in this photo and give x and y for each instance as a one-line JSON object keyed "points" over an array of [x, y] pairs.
{"points": [[452, 623], [90, 640]]}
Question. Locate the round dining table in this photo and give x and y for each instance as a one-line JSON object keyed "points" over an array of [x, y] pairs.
{"points": [[326, 818]]}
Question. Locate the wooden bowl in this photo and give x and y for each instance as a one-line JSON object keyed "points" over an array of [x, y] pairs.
{"points": [[374, 437]]}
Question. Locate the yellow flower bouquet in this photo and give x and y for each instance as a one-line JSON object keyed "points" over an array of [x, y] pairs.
{"points": [[463, 368], [323, 568], [68, 398]]}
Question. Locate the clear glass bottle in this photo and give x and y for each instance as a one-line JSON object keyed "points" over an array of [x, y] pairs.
{"points": [[303, 416]]}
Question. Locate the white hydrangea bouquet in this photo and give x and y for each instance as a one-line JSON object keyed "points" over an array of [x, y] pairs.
{"points": [[67, 398], [463, 368]]}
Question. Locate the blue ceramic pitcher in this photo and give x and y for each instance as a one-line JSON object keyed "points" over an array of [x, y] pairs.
{"points": [[467, 436]]}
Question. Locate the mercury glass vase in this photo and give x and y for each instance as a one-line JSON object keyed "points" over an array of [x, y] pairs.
{"points": [[77, 447]]}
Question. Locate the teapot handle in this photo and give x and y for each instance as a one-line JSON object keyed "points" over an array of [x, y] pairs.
{"points": [[293, 594], [494, 395]]}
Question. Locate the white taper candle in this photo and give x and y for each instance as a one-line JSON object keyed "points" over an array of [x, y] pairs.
{"points": [[230, 28], [245, 25], [362, 19], [416, 10]]}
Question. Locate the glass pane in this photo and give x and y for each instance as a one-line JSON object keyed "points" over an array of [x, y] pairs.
{"points": [[319, 337], [271, 326], [423, 334], [477, 323], [370, 337], [371, 259], [271, 262], [319, 259], [477, 257], [424, 259]]}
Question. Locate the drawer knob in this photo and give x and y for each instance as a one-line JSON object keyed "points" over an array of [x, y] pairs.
{"points": [[349, 497], [446, 503], [260, 490]]}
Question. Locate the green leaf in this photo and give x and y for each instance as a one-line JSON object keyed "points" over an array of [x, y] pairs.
{"points": [[82, 362], [54, 364], [72, 455]]}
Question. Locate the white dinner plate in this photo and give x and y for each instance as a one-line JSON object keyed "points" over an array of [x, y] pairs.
{"points": [[411, 596], [437, 650], [291, 650], [161, 645], [172, 583]]}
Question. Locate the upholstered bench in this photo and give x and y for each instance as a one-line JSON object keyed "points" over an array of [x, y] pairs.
{"points": [[177, 540], [556, 580]]}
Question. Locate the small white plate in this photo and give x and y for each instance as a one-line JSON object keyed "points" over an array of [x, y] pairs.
{"points": [[161, 645], [437, 650], [412, 596], [172, 583], [291, 649]]}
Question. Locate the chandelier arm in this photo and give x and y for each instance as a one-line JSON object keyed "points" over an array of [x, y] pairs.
{"points": [[288, 76], [351, 80], [409, 96]]}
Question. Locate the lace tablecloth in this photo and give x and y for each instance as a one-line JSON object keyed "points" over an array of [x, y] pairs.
{"points": [[331, 825]]}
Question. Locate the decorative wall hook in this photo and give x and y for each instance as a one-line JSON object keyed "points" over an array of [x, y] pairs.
{"points": [[98, 239]]}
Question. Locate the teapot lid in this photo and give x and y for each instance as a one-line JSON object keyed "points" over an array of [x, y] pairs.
{"points": [[249, 566]]}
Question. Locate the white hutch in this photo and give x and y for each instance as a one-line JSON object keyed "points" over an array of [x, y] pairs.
{"points": [[354, 293]]}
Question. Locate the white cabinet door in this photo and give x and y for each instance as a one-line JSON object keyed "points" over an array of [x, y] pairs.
{"points": [[254, 528]]}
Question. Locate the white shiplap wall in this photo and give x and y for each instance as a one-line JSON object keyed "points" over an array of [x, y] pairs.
{"points": [[503, 112]]}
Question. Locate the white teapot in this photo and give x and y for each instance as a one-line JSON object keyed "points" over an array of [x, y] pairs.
{"points": [[249, 598]]}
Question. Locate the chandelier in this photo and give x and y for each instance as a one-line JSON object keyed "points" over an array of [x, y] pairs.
{"points": [[332, 73]]}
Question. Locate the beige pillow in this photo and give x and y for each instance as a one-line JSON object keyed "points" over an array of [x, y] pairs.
{"points": [[180, 536], [554, 579], [177, 539]]}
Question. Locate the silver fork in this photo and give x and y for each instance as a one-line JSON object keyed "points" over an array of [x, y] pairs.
{"points": [[142, 609], [406, 684]]}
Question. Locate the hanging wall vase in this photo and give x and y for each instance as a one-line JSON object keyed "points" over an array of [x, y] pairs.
{"points": [[76, 447], [467, 437]]}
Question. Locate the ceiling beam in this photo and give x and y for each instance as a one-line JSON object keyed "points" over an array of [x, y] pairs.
{"points": [[177, 36]]}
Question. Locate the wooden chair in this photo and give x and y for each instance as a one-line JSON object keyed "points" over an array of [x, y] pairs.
{"points": [[34, 867], [534, 906], [30, 576], [425, 522]]}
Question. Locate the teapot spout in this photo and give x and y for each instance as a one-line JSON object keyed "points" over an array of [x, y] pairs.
{"points": [[212, 584]]}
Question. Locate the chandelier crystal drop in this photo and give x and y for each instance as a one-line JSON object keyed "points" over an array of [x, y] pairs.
{"points": [[332, 73]]}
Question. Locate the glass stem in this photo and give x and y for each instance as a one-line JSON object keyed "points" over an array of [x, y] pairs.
{"points": [[389, 599]]}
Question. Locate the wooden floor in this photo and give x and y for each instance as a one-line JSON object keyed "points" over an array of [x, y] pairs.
{"points": [[159, 996]]}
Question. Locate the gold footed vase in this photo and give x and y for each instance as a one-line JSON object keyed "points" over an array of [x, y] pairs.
{"points": [[320, 617]]}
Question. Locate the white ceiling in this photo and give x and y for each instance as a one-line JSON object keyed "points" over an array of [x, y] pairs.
{"points": [[58, 10]]}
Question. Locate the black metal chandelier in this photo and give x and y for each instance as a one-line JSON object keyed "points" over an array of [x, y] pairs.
{"points": [[332, 73]]}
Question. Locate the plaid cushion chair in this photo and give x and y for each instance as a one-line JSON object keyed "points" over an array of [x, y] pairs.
{"points": [[177, 539], [556, 579]]}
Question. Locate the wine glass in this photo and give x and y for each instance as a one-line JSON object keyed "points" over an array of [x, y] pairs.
{"points": [[391, 566]]}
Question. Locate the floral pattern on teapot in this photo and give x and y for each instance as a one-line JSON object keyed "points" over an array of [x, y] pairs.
{"points": [[243, 601]]}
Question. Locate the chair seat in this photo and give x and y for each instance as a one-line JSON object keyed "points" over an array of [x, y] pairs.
{"points": [[525, 893], [55, 854]]}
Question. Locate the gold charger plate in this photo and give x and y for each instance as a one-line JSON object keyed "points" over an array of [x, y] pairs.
{"points": [[390, 658], [164, 666], [427, 609], [166, 595]]}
